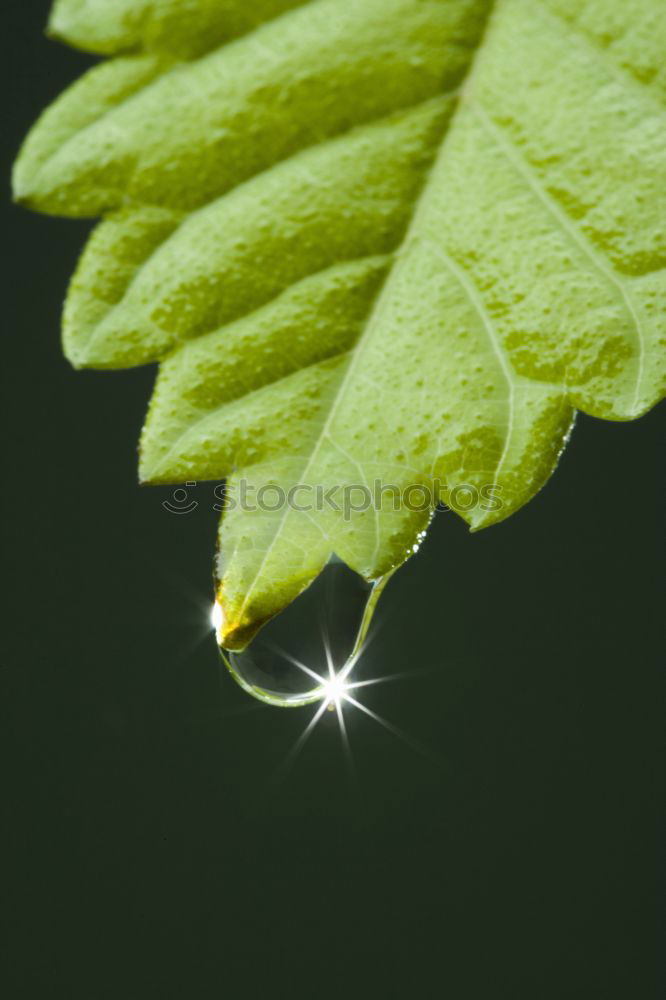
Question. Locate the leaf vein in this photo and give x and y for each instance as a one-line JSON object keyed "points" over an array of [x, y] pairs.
{"points": [[466, 281], [506, 144], [625, 76], [211, 414]]}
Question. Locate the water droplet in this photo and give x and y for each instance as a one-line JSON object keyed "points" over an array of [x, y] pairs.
{"points": [[306, 653]]}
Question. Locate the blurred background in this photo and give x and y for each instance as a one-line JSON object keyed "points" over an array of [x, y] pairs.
{"points": [[507, 843]]}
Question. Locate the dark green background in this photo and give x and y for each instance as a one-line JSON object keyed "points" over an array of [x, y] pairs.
{"points": [[150, 851]]}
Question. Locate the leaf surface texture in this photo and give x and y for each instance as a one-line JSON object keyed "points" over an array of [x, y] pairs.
{"points": [[390, 240]]}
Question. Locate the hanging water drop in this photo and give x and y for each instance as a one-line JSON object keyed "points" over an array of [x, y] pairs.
{"points": [[306, 653]]}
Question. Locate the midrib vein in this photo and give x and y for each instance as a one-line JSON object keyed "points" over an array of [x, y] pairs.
{"points": [[380, 305]]}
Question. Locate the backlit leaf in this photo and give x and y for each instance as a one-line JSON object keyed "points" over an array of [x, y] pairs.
{"points": [[391, 242]]}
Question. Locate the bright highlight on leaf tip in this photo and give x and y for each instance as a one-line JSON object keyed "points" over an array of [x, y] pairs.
{"points": [[217, 620]]}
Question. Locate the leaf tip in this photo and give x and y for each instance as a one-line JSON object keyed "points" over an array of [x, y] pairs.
{"points": [[22, 193], [61, 27], [233, 633], [53, 30], [26, 180], [146, 475], [74, 355], [152, 470]]}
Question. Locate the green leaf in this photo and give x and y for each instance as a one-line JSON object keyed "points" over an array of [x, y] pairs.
{"points": [[395, 242], [184, 27]]}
